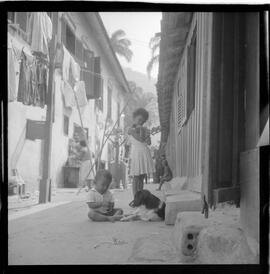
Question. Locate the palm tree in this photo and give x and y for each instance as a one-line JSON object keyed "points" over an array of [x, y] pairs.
{"points": [[154, 44], [121, 45]]}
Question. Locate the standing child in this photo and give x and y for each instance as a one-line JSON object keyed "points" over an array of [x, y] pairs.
{"points": [[167, 174], [100, 200], [140, 155]]}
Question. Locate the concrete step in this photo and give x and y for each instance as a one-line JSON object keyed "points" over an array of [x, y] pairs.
{"points": [[216, 240], [183, 201], [174, 186]]}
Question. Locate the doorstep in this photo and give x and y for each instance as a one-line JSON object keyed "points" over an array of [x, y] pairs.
{"points": [[183, 201]]}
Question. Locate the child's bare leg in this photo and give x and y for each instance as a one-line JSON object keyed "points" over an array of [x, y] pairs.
{"points": [[96, 217], [118, 211]]}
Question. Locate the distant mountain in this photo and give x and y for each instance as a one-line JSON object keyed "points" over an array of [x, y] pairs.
{"points": [[141, 80]]}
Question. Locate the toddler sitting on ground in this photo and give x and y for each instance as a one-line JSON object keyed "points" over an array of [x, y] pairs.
{"points": [[100, 200]]}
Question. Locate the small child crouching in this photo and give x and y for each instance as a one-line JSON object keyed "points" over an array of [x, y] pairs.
{"points": [[100, 200]]}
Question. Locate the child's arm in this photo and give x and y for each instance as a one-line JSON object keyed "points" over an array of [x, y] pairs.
{"points": [[132, 132], [94, 205]]}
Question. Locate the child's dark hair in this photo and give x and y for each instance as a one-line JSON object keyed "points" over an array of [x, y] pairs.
{"points": [[141, 111], [103, 173], [83, 143]]}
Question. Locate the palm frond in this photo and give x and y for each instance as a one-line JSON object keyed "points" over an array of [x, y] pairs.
{"points": [[124, 42], [118, 34], [154, 60], [124, 51]]}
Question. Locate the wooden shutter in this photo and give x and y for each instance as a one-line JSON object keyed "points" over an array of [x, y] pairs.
{"points": [[70, 40], [191, 76], [109, 104], [79, 52], [63, 32], [97, 78], [87, 76]]}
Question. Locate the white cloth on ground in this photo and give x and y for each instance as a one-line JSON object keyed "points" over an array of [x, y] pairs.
{"points": [[141, 160]]}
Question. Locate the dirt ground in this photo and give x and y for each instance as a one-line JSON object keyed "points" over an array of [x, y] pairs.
{"points": [[63, 234]]}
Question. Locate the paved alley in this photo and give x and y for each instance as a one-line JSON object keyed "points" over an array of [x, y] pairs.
{"points": [[64, 235]]}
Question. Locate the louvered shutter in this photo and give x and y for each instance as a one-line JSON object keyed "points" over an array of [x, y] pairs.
{"points": [[87, 76], [97, 78], [79, 52], [63, 32]]}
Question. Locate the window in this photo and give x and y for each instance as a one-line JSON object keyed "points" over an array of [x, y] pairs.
{"points": [[68, 37], [109, 104], [79, 52], [191, 75], [70, 40], [66, 125], [181, 95], [21, 21], [11, 17], [118, 114], [86, 75], [98, 84]]}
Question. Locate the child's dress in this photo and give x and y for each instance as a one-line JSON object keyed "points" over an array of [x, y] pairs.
{"points": [[141, 160]]}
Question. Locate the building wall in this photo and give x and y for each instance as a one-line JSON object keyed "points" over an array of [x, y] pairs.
{"points": [[30, 160], [187, 151], [250, 158]]}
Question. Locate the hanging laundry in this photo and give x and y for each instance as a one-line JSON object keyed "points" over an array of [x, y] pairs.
{"points": [[24, 89], [80, 93], [68, 94], [42, 76], [66, 64], [12, 87], [41, 31], [75, 69]]}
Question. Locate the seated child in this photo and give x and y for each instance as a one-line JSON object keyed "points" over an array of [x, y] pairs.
{"points": [[167, 176], [100, 200]]}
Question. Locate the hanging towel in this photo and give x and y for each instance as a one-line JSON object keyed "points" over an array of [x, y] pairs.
{"points": [[80, 93], [68, 94], [41, 31]]}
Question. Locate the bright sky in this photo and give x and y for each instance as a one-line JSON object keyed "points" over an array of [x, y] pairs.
{"points": [[139, 28]]}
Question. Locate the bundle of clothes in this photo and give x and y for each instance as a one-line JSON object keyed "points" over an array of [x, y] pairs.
{"points": [[28, 71]]}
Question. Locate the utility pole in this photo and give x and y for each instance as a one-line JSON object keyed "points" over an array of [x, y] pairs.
{"points": [[45, 182]]}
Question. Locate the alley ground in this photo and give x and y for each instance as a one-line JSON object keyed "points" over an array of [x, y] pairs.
{"points": [[63, 234]]}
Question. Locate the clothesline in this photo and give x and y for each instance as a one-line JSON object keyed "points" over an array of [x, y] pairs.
{"points": [[103, 77]]}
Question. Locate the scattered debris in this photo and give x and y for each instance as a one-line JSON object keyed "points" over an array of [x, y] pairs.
{"points": [[114, 241]]}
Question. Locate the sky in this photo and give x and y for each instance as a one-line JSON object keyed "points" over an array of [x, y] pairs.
{"points": [[139, 27]]}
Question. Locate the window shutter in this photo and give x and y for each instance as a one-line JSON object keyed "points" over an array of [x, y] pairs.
{"points": [[97, 78], [63, 32], [79, 52], [70, 40], [109, 111], [182, 96], [87, 76], [191, 77]]}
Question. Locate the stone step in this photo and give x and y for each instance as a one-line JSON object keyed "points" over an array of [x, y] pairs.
{"points": [[216, 240], [183, 201], [175, 185]]}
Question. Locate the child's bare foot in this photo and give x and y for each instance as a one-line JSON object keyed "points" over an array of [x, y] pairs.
{"points": [[115, 218]]}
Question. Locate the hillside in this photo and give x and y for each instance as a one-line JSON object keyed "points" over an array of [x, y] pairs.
{"points": [[148, 85]]}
